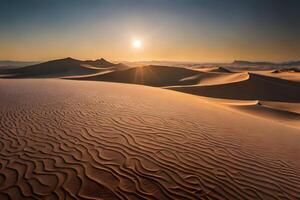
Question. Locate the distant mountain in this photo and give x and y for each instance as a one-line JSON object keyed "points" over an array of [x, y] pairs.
{"points": [[249, 63], [242, 62], [54, 68], [293, 69], [98, 63], [221, 69], [292, 63], [61, 68], [14, 64]]}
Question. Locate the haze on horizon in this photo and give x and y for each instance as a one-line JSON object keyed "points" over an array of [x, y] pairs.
{"points": [[178, 30]]}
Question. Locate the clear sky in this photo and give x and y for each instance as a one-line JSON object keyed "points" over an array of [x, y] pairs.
{"points": [[177, 30]]}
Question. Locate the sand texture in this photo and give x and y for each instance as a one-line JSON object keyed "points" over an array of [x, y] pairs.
{"points": [[67, 139]]}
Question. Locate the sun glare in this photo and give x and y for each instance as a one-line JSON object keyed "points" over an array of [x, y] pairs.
{"points": [[136, 43]]}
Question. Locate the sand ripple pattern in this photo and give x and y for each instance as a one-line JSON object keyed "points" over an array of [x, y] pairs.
{"points": [[79, 140]]}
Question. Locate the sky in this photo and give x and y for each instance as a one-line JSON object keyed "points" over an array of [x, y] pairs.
{"points": [[169, 30]]}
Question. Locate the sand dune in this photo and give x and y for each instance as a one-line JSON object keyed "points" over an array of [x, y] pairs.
{"points": [[94, 140], [218, 82], [151, 75], [256, 87], [287, 75], [239, 86], [165, 76]]}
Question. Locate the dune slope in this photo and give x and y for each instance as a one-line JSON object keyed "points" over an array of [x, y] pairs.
{"points": [[290, 107], [64, 139], [256, 87], [208, 78], [276, 114], [152, 75]]}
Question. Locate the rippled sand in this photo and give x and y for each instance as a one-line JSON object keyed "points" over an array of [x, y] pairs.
{"points": [[63, 139]]}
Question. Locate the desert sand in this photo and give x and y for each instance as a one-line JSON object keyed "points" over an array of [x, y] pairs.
{"points": [[97, 130], [95, 140]]}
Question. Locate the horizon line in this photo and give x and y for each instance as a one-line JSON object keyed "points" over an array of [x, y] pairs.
{"points": [[173, 61]]}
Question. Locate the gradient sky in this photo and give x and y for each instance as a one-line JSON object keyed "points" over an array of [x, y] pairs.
{"points": [[177, 30]]}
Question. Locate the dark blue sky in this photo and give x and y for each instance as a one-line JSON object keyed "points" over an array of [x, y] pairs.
{"points": [[199, 30]]}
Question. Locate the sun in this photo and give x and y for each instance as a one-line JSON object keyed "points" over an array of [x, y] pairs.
{"points": [[136, 43]]}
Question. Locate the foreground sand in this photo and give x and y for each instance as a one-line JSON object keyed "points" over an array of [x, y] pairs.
{"points": [[94, 140]]}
